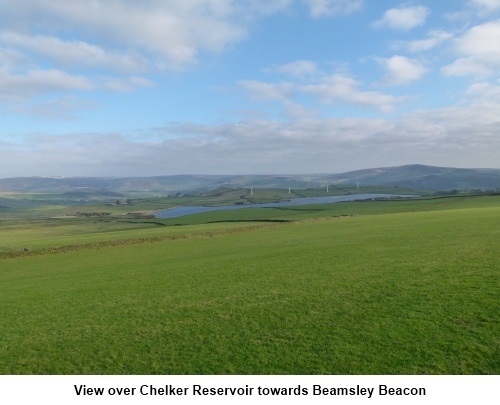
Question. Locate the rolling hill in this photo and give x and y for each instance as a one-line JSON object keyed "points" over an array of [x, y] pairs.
{"points": [[423, 177], [419, 177]]}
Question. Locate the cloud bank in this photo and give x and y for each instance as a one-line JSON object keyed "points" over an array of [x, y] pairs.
{"points": [[454, 136]]}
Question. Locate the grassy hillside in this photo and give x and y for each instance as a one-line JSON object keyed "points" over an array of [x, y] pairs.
{"points": [[31, 229], [413, 289]]}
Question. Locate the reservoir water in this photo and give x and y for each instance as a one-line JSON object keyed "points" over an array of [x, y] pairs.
{"points": [[183, 211]]}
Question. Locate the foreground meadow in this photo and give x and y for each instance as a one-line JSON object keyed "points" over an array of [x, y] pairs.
{"points": [[393, 293]]}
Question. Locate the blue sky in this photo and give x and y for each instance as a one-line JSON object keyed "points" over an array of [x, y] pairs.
{"points": [[127, 88]]}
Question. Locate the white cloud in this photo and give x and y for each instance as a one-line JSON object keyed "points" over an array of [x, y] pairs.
{"points": [[480, 47], [175, 31], [336, 88], [299, 68], [481, 39], [126, 84], [131, 33], [484, 91], [342, 88], [434, 39], [34, 82], [12, 58], [468, 66], [268, 91], [75, 53], [31, 83], [401, 70], [64, 108], [281, 92], [473, 9], [486, 6], [403, 18], [320, 8]]}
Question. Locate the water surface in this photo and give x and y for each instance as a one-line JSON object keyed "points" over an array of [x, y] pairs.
{"points": [[190, 210]]}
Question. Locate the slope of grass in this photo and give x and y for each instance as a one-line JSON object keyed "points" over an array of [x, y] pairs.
{"points": [[384, 294], [54, 232], [43, 234], [353, 208]]}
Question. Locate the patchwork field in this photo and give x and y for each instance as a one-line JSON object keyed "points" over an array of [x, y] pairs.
{"points": [[395, 287]]}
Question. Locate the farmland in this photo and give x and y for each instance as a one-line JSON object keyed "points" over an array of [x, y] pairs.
{"points": [[378, 287]]}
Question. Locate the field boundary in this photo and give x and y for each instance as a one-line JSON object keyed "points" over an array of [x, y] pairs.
{"points": [[15, 254], [129, 241]]}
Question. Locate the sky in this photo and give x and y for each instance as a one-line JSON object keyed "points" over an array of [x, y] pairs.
{"points": [[164, 87]]}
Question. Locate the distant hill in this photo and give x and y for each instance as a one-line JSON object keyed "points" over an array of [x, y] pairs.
{"points": [[423, 178], [417, 177]]}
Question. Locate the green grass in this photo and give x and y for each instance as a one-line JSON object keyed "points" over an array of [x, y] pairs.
{"points": [[297, 213], [43, 234], [36, 233], [414, 291]]}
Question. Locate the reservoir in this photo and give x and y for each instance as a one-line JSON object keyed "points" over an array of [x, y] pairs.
{"points": [[183, 211]]}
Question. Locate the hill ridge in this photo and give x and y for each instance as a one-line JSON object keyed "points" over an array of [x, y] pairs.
{"points": [[413, 176]]}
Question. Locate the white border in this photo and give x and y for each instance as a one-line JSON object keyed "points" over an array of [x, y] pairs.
{"points": [[56, 390]]}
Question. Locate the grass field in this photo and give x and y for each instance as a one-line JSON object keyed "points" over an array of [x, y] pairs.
{"points": [[394, 287], [36, 228]]}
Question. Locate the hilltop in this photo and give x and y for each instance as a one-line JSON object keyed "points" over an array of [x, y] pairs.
{"points": [[423, 177]]}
